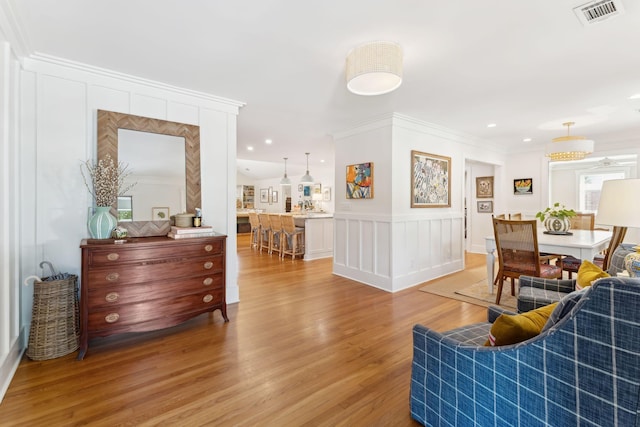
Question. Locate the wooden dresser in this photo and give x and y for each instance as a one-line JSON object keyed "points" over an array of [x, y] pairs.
{"points": [[148, 283]]}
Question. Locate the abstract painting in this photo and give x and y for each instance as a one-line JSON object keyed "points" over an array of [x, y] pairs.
{"points": [[360, 181], [430, 180]]}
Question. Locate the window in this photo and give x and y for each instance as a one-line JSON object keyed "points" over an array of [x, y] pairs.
{"points": [[590, 185]]}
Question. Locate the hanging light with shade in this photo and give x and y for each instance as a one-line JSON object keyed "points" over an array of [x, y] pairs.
{"points": [[306, 178], [569, 147], [285, 180]]}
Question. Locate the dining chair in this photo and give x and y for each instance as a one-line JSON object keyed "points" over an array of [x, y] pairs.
{"points": [[516, 216], [254, 221], [581, 221], [276, 233], [293, 239], [518, 254], [265, 232], [501, 216]]}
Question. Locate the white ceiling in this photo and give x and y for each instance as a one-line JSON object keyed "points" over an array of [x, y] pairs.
{"points": [[526, 66]]}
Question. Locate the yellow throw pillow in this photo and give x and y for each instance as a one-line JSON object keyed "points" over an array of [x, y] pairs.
{"points": [[512, 329], [587, 273]]}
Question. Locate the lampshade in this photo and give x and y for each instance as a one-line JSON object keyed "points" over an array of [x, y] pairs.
{"points": [[619, 203], [569, 147], [306, 177], [374, 68], [285, 180]]}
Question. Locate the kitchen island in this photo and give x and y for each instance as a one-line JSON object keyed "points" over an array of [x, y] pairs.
{"points": [[318, 234]]}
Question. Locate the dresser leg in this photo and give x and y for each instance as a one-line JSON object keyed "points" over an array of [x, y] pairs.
{"points": [[223, 310]]}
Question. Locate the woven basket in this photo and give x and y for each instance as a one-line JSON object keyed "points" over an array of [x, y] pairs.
{"points": [[54, 324]]}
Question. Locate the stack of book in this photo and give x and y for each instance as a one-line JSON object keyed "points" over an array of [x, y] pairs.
{"points": [[190, 232]]}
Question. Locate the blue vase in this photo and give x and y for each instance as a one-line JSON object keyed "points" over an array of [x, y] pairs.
{"points": [[102, 223]]}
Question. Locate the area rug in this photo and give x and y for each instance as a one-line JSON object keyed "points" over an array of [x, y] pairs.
{"points": [[470, 285]]}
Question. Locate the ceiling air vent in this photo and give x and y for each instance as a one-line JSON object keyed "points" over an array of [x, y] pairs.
{"points": [[596, 11]]}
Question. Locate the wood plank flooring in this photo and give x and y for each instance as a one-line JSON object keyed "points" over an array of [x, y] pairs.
{"points": [[303, 347]]}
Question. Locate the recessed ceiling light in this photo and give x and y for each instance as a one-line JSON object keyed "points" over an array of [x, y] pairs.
{"points": [[491, 125], [321, 161], [636, 96], [268, 141], [526, 140], [250, 148]]}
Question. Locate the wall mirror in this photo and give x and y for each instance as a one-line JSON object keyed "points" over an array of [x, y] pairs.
{"points": [[147, 146]]}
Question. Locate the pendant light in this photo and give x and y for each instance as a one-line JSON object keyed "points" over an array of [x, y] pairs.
{"points": [[285, 180], [306, 177], [569, 147]]}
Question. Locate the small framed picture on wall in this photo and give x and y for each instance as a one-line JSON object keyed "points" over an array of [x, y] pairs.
{"points": [[485, 206], [522, 186]]}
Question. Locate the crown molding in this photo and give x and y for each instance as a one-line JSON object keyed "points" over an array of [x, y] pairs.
{"points": [[11, 29], [103, 72]]}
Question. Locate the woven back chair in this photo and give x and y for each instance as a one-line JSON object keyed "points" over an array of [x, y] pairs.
{"points": [[515, 216], [293, 243], [582, 221], [518, 254], [265, 232], [276, 233], [255, 230]]}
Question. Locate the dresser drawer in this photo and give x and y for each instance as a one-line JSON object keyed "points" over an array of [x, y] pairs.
{"points": [[129, 254], [132, 316], [110, 295], [149, 272]]}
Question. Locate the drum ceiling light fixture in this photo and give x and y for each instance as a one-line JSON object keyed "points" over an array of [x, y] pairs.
{"points": [[374, 68], [569, 147]]}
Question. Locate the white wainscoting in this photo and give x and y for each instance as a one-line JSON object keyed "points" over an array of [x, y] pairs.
{"points": [[394, 254]]}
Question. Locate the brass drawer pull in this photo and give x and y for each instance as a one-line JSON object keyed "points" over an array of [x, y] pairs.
{"points": [[207, 298], [113, 257], [208, 248], [112, 277], [207, 281], [112, 297], [111, 317], [208, 265]]}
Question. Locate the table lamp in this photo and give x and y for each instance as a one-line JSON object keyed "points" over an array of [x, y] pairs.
{"points": [[620, 206]]}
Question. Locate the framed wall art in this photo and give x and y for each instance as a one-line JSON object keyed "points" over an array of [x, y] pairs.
{"points": [[274, 196], [264, 195], [430, 180], [360, 181], [484, 187], [160, 214], [485, 206], [326, 194], [522, 186]]}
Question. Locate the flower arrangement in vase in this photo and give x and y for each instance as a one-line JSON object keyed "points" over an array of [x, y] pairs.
{"points": [[105, 181], [556, 218]]}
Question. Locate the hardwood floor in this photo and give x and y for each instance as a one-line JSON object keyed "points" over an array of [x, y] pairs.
{"points": [[303, 347]]}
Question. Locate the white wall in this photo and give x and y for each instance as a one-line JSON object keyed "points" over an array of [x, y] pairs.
{"points": [[383, 241]]}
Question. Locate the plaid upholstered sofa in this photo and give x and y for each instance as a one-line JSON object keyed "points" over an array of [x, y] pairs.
{"points": [[584, 369]]}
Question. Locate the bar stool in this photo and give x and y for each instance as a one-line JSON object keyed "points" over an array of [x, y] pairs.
{"points": [[255, 230], [276, 234], [265, 232], [293, 242]]}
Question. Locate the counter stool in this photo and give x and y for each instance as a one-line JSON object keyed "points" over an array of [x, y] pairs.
{"points": [[265, 232], [255, 230], [293, 242], [276, 234]]}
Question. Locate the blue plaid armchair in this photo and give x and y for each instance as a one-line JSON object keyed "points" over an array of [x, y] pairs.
{"points": [[583, 370]]}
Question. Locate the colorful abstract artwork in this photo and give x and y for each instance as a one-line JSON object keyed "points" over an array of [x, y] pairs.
{"points": [[430, 180], [360, 181]]}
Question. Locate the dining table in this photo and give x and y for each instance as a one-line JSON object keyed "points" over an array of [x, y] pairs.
{"points": [[582, 244]]}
